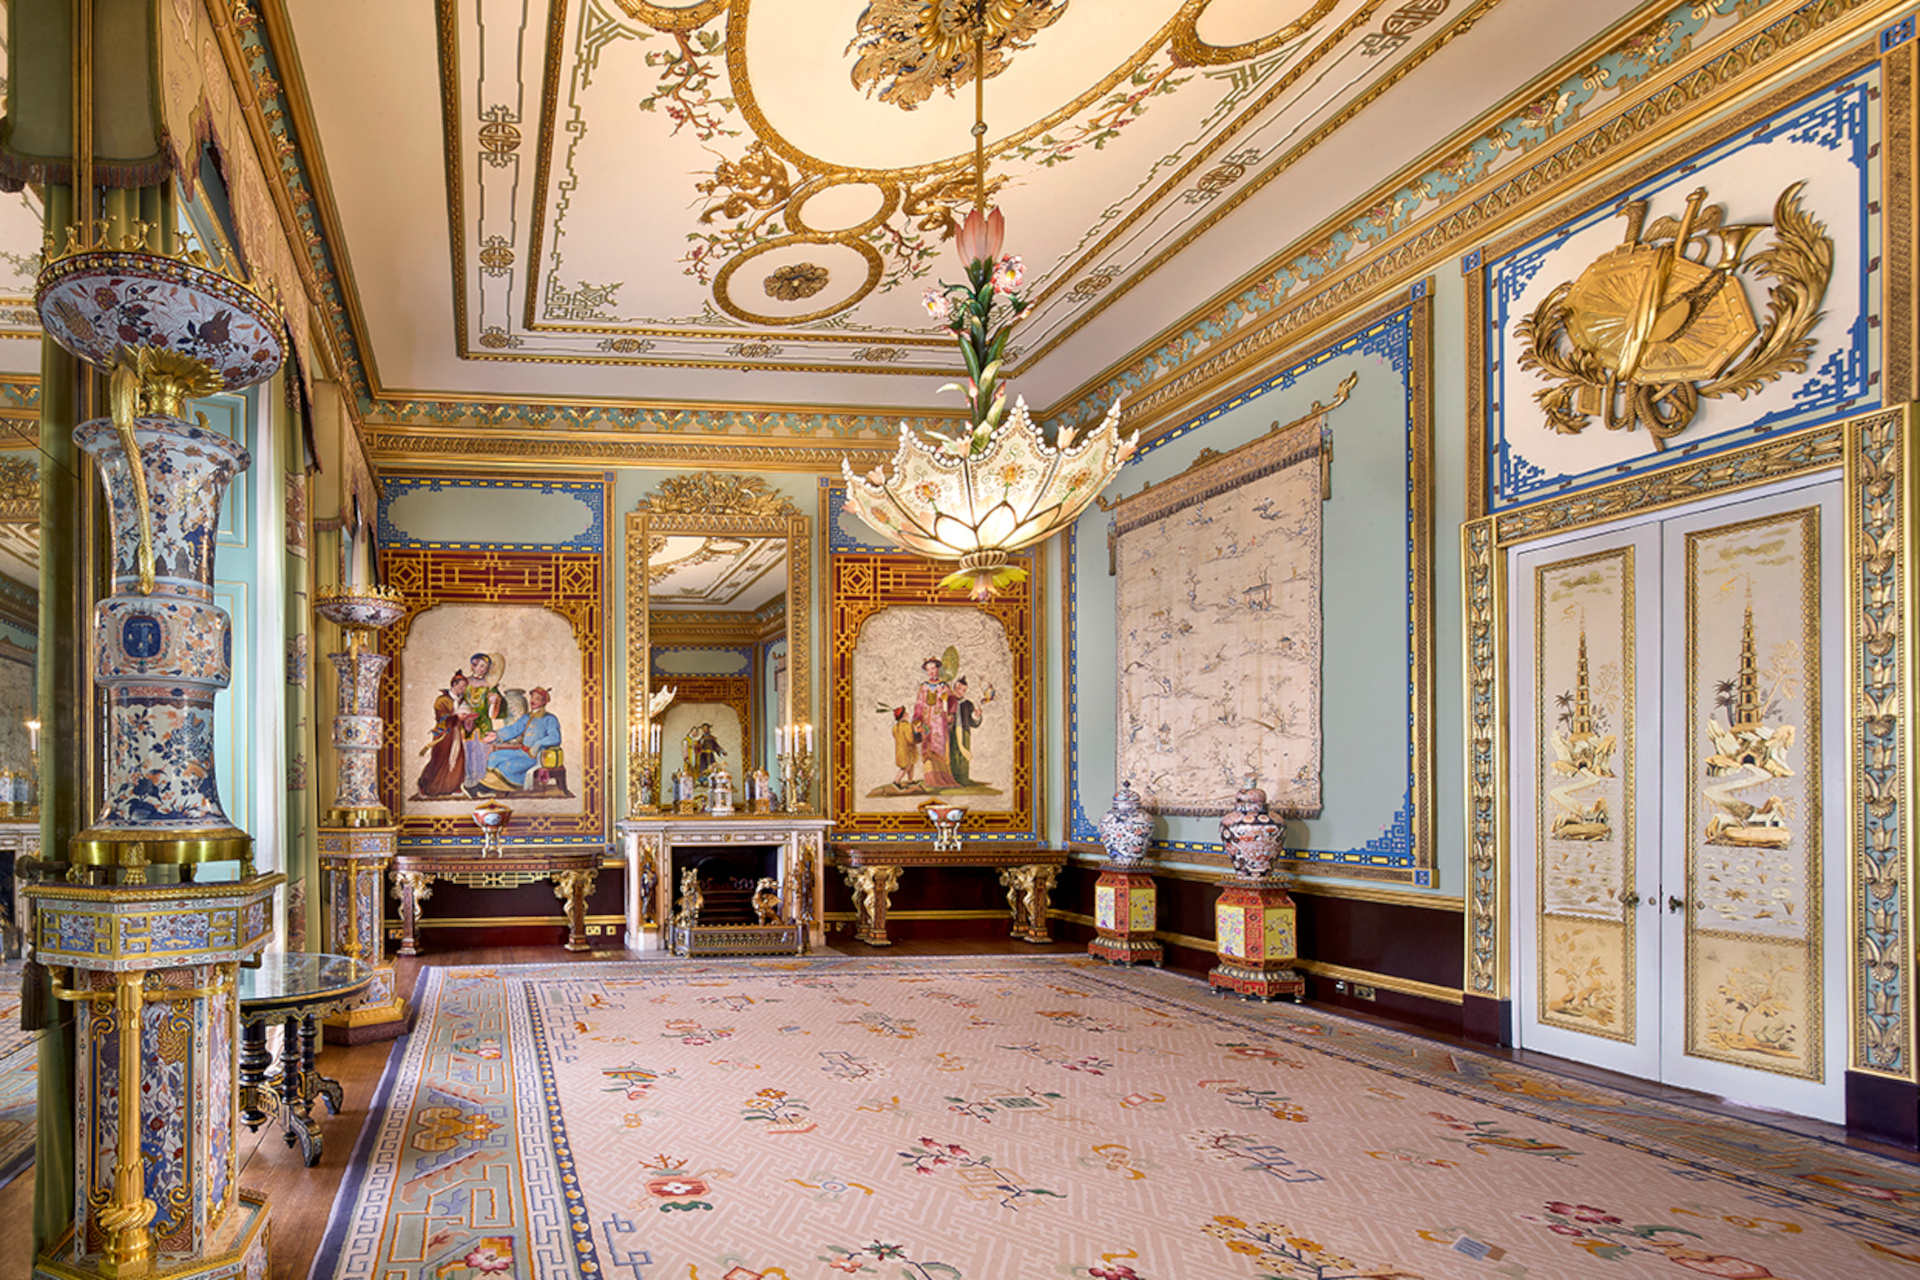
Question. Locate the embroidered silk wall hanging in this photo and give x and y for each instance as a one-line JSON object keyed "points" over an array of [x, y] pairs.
{"points": [[1219, 618]]}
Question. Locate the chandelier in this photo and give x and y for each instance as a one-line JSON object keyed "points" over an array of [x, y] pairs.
{"points": [[996, 485]]}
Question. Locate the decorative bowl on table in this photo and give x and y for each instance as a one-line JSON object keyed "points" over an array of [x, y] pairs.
{"points": [[946, 819], [491, 817]]}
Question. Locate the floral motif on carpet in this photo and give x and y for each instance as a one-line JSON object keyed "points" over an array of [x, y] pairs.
{"points": [[964, 1118]]}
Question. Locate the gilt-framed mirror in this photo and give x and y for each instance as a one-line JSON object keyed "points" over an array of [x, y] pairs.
{"points": [[719, 581]]}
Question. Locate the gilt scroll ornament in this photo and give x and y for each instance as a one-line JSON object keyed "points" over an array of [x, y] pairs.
{"points": [[1663, 320]]}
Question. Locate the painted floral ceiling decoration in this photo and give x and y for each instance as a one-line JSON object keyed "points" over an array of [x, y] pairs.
{"points": [[774, 182]]}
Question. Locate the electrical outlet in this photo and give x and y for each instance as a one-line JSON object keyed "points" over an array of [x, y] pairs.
{"points": [[1362, 993]]}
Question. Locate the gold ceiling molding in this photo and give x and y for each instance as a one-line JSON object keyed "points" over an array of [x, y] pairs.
{"points": [[740, 84], [711, 493], [318, 315], [1683, 96], [758, 184], [1190, 48], [20, 487], [389, 446], [1227, 203], [674, 19]]}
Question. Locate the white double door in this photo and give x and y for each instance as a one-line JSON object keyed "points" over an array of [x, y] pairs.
{"points": [[1676, 795]]}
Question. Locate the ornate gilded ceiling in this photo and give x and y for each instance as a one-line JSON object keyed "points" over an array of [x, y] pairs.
{"points": [[716, 218], [742, 201], [772, 183]]}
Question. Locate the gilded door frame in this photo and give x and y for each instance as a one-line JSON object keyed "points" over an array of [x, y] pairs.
{"points": [[1878, 452]]}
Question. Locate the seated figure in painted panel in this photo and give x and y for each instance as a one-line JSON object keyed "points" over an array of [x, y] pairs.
{"points": [[522, 749]]}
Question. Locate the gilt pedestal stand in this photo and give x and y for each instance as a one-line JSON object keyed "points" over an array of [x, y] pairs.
{"points": [[155, 1094], [1253, 931], [1123, 912], [358, 838], [353, 874]]}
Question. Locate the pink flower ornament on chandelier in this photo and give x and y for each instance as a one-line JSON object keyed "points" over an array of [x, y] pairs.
{"points": [[998, 484]]}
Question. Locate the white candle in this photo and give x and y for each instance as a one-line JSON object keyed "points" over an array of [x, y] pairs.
{"points": [[33, 735], [809, 739]]}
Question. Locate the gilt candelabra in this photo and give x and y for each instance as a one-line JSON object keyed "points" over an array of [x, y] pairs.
{"points": [[794, 749]]}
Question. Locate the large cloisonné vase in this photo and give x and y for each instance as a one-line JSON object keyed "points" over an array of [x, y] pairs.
{"points": [[1254, 917], [1124, 899], [358, 729], [358, 838], [164, 329], [161, 657], [151, 960]]}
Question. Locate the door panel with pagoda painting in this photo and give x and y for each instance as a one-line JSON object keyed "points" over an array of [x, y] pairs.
{"points": [[1756, 800], [1585, 638], [1675, 814]]}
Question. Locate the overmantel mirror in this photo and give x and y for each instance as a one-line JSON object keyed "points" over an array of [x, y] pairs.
{"points": [[719, 576]]}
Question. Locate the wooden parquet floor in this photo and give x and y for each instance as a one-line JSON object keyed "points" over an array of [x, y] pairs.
{"points": [[302, 1198]]}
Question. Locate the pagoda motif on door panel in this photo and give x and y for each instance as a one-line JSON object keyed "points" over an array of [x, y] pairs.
{"points": [[1753, 894], [1583, 631]]}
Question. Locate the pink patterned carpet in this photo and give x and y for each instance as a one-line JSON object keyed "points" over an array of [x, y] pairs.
{"points": [[960, 1118], [19, 1078]]}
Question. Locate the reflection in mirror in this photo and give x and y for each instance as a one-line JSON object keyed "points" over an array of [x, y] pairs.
{"points": [[718, 572], [717, 627], [19, 634]]}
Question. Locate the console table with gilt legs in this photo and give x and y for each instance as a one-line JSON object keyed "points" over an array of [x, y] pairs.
{"points": [[873, 873], [572, 871]]}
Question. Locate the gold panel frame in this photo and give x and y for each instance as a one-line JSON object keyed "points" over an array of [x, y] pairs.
{"points": [[1878, 451], [780, 519]]}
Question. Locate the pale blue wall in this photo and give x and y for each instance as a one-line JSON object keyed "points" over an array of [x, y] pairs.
{"points": [[1364, 600]]}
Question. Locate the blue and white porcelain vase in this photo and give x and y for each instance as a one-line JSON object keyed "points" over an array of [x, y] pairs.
{"points": [[162, 656], [166, 329], [1125, 828]]}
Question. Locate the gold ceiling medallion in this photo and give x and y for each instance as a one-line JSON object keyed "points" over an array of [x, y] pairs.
{"points": [[909, 48], [1655, 324], [797, 281], [710, 493]]}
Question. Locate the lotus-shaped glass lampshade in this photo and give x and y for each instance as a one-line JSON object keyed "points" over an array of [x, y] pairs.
{"points": [[943, 502]]}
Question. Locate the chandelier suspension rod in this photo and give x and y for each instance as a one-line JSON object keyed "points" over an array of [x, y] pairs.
{"points": [[980, 105]]}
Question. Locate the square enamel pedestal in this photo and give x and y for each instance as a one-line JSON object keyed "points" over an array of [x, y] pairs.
{"points": [[158, 1195], [1123, 912], [353, 873], [1254, 934]]}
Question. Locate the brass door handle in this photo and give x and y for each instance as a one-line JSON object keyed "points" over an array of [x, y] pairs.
{"points": [[1674, 904], [1630, 899]]}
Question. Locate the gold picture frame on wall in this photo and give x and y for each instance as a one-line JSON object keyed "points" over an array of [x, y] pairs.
{"points": [[711, 505]]}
